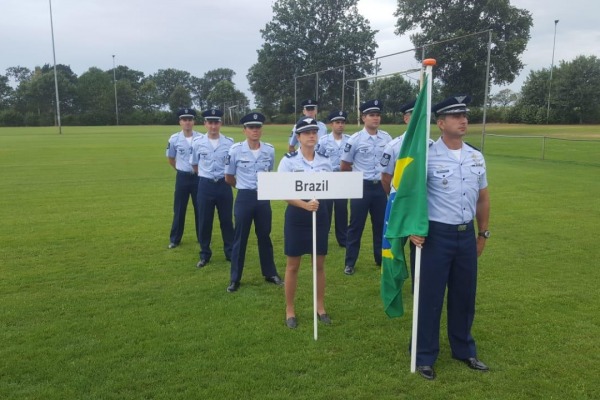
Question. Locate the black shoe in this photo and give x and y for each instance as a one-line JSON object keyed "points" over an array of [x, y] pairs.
{"points": [[275, 279], [342, 245], [233, 287], [474, 363], [202, 263], [426, 371], [349, 270], [172, 245], [324, 318], [291, 323]]}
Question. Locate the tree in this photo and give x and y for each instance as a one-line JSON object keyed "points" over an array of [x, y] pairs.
{"points": [[19, 74], [96, 97], [225, 94], [5, 92], [394, 92], [305, 37], [167, 80], [461, 63], [179, 98], [504, 98]]}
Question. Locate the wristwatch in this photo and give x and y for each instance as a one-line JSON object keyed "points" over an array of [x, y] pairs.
{"points": [[485, 234]]}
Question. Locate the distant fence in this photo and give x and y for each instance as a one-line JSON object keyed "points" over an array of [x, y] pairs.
{"points": [[584, 151]]}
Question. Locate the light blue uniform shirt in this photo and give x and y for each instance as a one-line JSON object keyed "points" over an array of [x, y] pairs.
{"points": [[391, 153], [294, 138], [295, 162], [329, 147], [364, 152], [179, 149], [453, 186], [210, 160], [244, 165]]}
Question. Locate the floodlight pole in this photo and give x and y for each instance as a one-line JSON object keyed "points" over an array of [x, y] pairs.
{"points": [[551, 69], [115, 82], [487, 84], [55, 74]]}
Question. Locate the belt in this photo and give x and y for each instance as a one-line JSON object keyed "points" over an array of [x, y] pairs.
{"points": [[368, 182], [192, 173], [452, 228], [211, 180]]}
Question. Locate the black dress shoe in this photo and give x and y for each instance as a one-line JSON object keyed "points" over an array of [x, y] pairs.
{"points": [[275, 279], [172, 245], [349, 270], [291, 323], [324, 318], [233, 287], [426, 371], [474, 363], [201, 263]]}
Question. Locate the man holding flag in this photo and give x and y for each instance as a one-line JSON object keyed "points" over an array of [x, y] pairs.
{"points": [[457, 194]]}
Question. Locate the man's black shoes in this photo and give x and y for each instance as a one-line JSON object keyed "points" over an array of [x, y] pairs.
{"points": [[172, 245], [233, 287], [426, 371], [202, 263], [275, 279], [349, 270], [474, 363]]}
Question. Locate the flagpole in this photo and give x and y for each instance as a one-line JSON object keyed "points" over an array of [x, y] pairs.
{"points": [[314, 259], [429, 63]]}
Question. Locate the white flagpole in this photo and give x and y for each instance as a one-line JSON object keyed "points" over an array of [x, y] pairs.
{"points": [[429, 63], [314, 259]]}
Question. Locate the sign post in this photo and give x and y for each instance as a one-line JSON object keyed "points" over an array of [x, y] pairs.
{"points": [[302, 186]]}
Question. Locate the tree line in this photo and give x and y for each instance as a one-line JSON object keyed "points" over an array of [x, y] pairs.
{"points": [[332, 38], [89, 99]]}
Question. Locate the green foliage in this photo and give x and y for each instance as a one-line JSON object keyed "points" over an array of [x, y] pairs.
{"points": [[179, 98], [393, 91], [461, 64], [306, 37]]}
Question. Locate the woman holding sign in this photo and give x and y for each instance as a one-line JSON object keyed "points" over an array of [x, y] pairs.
{"points": [[298, 220]]}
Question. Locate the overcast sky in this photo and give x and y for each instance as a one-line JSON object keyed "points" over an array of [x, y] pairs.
{"points": [[199, 35]]}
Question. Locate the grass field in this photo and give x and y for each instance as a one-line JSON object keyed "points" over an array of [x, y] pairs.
{"points": [[94, 306]]}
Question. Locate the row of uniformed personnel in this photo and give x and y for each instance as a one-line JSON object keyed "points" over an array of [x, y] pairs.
{"points": [[457, 194]]}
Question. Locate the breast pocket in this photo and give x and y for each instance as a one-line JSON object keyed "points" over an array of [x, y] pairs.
{"points": [[477, 173], [441, 178]]}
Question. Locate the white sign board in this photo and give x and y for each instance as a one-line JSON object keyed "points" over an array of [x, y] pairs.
{"points": [[318, 185]]}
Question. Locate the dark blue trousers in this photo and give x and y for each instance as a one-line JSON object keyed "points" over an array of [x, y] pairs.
{"points": [[213, 195], [373, 202], [340, 207], [448, 259], [246, 210], [186, 185]]}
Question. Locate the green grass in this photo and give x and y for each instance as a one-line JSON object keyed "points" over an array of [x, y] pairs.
{"points": [[93, 305]]}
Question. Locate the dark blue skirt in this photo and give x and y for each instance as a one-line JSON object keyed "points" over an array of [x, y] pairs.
{"points": [[297, 231]]}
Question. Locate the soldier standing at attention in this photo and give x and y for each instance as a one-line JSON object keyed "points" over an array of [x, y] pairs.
{"points": [[332, 145], [209, 154], [179, 149], [245, 160], [309, 109], [363, 153]]}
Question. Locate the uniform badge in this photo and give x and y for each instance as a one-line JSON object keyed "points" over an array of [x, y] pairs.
{"points": [[347, 147], [385, 160], [227, 159]]}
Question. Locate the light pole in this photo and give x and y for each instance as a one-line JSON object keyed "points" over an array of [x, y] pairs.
{"points": [[551, 69], [55, 74], [115, 82]]}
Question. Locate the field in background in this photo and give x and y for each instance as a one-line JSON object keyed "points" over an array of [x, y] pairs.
{"points": [[95, 306]]}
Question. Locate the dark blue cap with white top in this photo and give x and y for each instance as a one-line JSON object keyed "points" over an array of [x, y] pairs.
{"points": [[253, 119], [186, 113], [452, 105], [306, 124], [214, 114], [408, 107], [337, 116], [371, 106]]}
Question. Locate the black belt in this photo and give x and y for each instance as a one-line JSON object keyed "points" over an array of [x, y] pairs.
{"points": [[367, 182], [191, 173], [212, 180], [452, 228]]}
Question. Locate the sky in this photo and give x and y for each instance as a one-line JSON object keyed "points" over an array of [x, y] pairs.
{"points": [[198, 35]]}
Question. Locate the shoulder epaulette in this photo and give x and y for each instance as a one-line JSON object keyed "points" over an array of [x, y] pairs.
{"points": [[322, 155], [268, 144], [471, 146], [292, 154], [228, 138]]}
